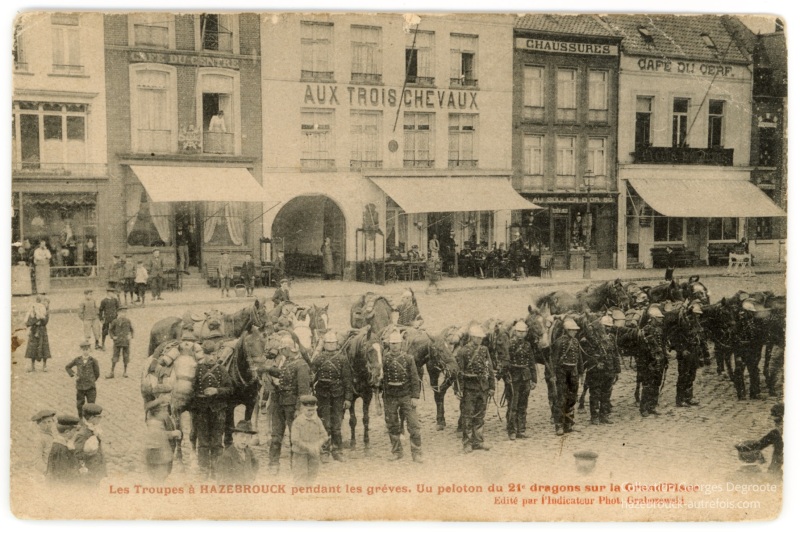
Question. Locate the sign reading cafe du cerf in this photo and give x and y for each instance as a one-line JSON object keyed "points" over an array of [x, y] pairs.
{"points": [[380, 97]]}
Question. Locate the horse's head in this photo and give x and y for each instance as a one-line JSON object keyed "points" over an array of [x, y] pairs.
{"points": [[369, 350], [539, 322], [258, 315], [318, 318]]}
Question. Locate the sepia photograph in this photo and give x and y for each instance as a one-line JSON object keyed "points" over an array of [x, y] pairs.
{"points": [[394, 266]]}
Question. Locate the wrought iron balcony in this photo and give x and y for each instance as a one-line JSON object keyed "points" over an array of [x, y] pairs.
{"points": [[218, 142], [356, 165], [420, 80], [366, 78], [418, 163], [316, 76], [326, 164], [462, 163], [709, 156], [463, 82]]}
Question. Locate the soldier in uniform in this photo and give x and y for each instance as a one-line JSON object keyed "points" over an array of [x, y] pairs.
{"points": [[408, 311], [212, 386], [62, 465], [477, 386], [401, 388], [602, 369], [333, 387], [653, 361], [749, 339], [688, 343], [89, 445], [294, 381], [567, 368], [519, 375]]}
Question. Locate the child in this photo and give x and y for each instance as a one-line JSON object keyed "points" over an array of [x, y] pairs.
{"points": [[774, 438], [121, 331], [308, 435], [108, 311], [238, 464], [282, 293], [128, 278], [141, 281], [44, 422], [89, 315], [225, 273], [249, 274], [62, 465], [86, 377], [161, 439], [89, 445]]}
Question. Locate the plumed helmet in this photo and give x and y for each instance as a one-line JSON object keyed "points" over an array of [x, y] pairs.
{"points": [[570, 324], [330, 336], [749, 305], [520, 326], [606, 321], [288, 342], [641, 297], [476, 331], [617, 314], [654, 312], [696, 308], [395, 336]]}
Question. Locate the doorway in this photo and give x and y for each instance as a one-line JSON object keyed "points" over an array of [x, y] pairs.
{"points": [[189, 230]]}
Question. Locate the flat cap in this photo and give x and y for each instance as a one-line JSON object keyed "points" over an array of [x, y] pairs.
{"points": [[91, 410], [308, 400], [45, 413], [68, 420], [85, 344]]}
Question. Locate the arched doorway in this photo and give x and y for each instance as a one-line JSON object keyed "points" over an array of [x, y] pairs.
{"points": [[301, 226]]}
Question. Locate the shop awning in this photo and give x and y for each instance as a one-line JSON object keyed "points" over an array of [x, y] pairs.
{"points": [[703, 198], [175, 183], [452, 194]]}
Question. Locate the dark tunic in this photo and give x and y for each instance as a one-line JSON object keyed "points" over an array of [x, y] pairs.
{"points": [[237, 467], [38, 342], [774, 438], [94, 462], [62, 465], [280, 296]]}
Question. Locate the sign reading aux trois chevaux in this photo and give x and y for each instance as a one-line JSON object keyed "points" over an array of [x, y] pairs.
{"points": [[380, 97]]}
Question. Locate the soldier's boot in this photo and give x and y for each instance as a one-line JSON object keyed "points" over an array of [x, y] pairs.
{"points": [[594, 408], [416, 456], [397, 448], [559, 430], [337, 455]]}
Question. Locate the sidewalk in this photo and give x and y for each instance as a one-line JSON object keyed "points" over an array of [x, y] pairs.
{"points": [[305, 290]]}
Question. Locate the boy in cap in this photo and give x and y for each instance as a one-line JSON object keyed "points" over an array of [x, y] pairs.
{"points": [[62, 465], [774, 438], [128, 278], [141, 281], [88, 314], [44, 442], [88, 445], [225, 274], [88, 372], [161, 439], [238, 464], [308, 435], [121, 331], [281, 293], [108, 312]]}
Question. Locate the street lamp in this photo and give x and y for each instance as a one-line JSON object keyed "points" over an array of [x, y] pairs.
{"points": [[588, 179]]}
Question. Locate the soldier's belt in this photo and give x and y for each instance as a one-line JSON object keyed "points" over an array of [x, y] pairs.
{"points": [[519, 366], [395, 384], [470, 375], [324, 380]]}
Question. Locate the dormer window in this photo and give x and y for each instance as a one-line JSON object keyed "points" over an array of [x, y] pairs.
{"points": [[646, 34], [708, 41]]}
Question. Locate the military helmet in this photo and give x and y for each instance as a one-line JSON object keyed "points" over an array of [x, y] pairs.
{"points": [[287, 342], [395, 336], [606, 321], [520, 326], [617, 314], [654, 312], [696, 308], [476, 331], [749, 305], [330, 336], [641, 297], [570, 324]]}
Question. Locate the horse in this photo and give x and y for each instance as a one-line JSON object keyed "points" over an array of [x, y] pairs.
{"points": [[364, 353], [669, 291], [232, 325], [693, 289], [560, 302], [605, 295], [719, 322], [442, 364], [373, 310]]}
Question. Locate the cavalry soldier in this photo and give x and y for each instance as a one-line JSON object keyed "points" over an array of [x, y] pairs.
{"points": [[749, 340], [89, 446], [294, 381], [519, 375], [688, 343], [212, 387], [401, 388], [568, 367], [333, 387], [478, 385], [408, 311], [652, 362], [602, 369]]}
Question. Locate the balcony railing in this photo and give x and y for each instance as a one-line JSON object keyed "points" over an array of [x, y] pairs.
{"points": [[151, 36], [218, 142], [356, 165], [420, 80], [462, 163], [714, 156], [318, 163], [418, 163], [67, 69], [50, 169], [366, 78], [316, 76], [463, 82]]}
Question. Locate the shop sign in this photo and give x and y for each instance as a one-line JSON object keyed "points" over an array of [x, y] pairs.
{"points": [[685, 67], [569, 199], [380, 97], [183, 59], [566, 47]]}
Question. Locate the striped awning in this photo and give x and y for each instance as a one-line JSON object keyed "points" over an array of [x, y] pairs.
{"points": [[73, 199]]}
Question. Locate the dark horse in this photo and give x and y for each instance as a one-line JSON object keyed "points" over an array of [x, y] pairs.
{"points": [[670, 291], [364, 353], [605, 295]]}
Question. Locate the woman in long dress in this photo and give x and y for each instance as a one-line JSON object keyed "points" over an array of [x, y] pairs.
{"points": [[327, 259], [38, 342], [41, 261]]}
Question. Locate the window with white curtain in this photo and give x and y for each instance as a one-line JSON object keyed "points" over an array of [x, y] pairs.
{"points": [[418, 139], [316, 50], [365, 134], [533, 155], [463, 146], [365, 46], [598, 96], [534, 92], [596, 161], [565, 162], [567, 95], [153, 116], [317, 132], [420, 58], [66, 43]]}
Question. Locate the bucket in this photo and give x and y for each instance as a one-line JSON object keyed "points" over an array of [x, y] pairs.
{"points": [[240, 291], [585, 461]]}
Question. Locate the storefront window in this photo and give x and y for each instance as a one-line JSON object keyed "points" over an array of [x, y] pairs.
{"points": [[722, 228], [666, 229], [224, 224], [67, 222], [148, 224]]}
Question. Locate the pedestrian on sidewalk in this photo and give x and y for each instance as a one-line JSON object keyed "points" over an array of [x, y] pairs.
{"points": [[88, 372], [121, 331], [108, 312], [249, 274], [41, 261], [155, 269], [225, 274], [141, 281], [670, 262], [90, 317], [128, 278], [308, 435], [38, 342]]}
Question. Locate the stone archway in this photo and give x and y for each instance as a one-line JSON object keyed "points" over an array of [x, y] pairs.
{"points": [[300, 227]]}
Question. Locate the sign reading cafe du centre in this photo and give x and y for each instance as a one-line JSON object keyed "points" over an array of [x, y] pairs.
{"points": [[381, 97]]}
